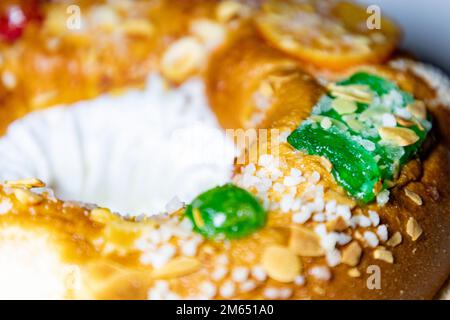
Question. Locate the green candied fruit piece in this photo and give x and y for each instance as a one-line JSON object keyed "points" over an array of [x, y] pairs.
{"points": [[345, 125], [353, 167], [226, 212]]}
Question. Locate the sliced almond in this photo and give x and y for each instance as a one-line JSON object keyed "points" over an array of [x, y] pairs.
{"points": [[305, 242], [26, 183], [326, 164], [413, 229], [27, 197], [326, 123], [177, 267], [102, 215], [340, 198], [357, 93], [344, 106], [413, 196], [358, 236], [337, 224], [228, 10], [401, 137], [281, 264], [395, 240], [182, 59], [334, 122], [418, 109], [121, 234], [355, 125], [404, 122], [209, 32], [352, 254], [383, 255], [354, 273], [198, 218]]}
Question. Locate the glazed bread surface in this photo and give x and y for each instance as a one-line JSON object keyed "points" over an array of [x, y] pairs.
{"points": [[82, 251]]}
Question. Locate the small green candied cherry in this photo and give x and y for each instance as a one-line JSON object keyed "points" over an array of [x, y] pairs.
{"points": [[226, 212]]}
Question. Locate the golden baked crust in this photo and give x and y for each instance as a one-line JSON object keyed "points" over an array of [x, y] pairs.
{"points": [[108, 257]]}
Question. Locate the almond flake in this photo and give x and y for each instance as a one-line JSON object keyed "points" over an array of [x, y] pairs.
{"points": [[351, 254], [305, 242], [418, 110], [355, 125], [210, 33], [384, 255], [357, 93], [344, 106], [414, 197], [337, 224], [326, 123], [401, 137], [27, 197], [182, 58], [281, 264], [395, 240], [413, 229], [357, 235], [122, 234], [340, 198], [229, 10], [177, 267], [403, 122], [26, 183], [354, 273], [198, 218], [326, 164], [102, 215]]}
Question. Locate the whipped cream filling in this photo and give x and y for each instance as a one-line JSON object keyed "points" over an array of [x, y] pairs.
{"points": [[134, 153]]}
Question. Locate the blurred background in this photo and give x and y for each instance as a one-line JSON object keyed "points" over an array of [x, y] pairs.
{"points": [[426, 24]]}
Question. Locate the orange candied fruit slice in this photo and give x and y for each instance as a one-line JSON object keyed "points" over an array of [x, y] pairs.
{"points": [[328, 34]]}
